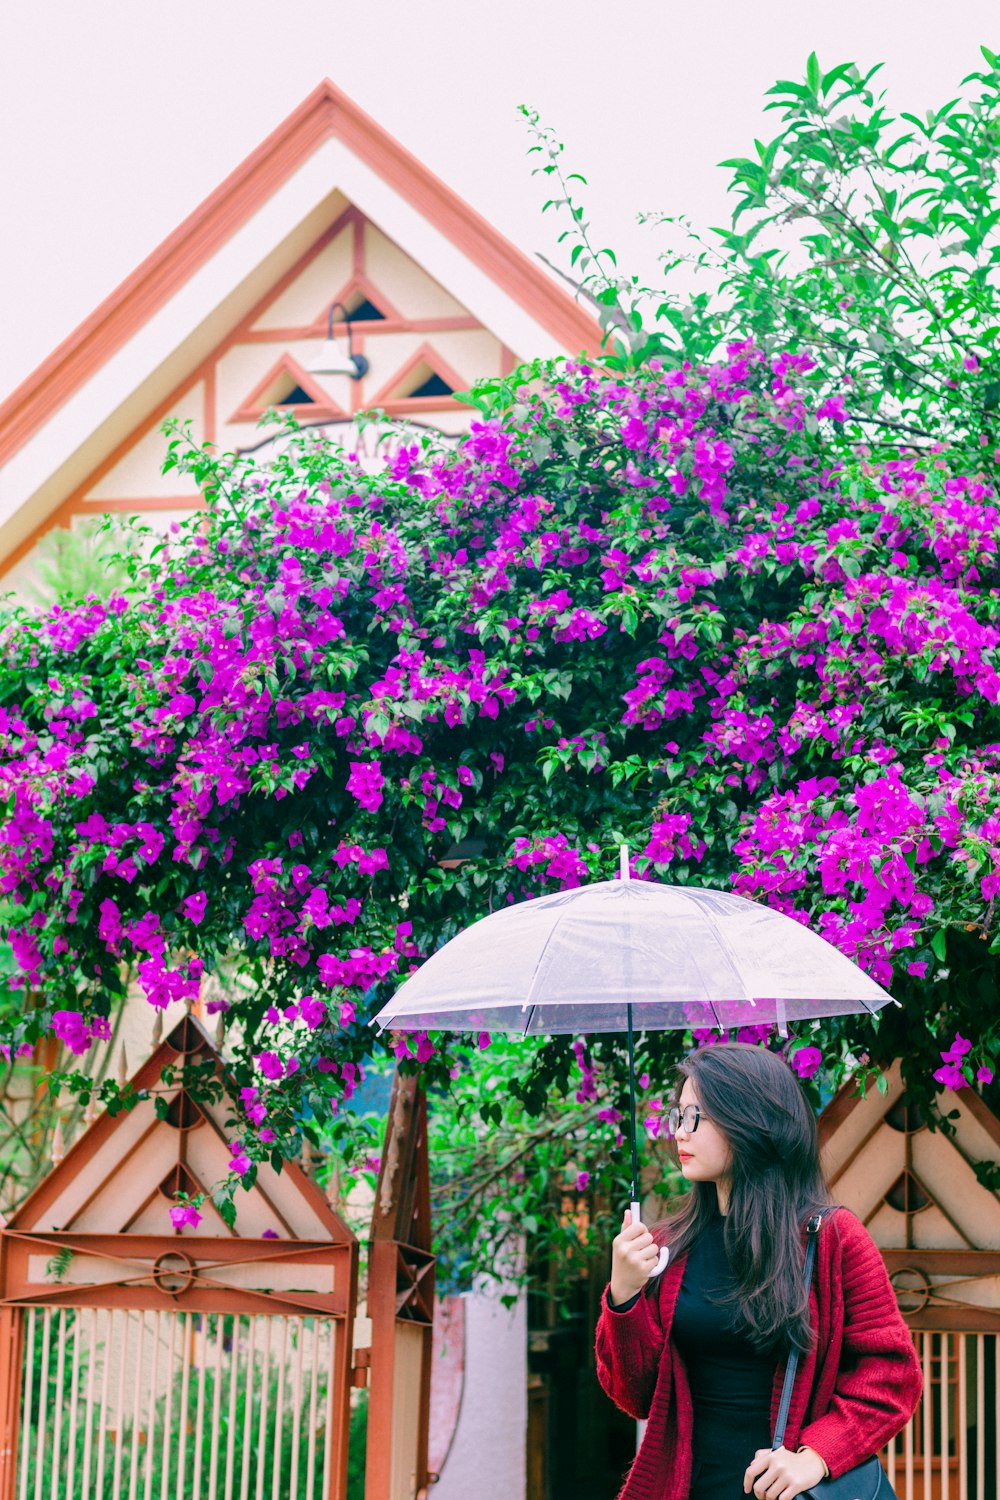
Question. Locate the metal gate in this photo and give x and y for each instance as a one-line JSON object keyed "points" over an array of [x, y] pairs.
{"points": [[141, 1363], [156, 1404], [948, 1451]]}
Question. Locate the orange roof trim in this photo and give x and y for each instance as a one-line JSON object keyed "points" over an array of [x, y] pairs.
{"points": [[326, 112]]}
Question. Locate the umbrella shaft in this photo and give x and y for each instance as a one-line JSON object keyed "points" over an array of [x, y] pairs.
{"points": [[631, 1097]]}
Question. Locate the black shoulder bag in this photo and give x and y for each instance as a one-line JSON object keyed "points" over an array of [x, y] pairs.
{"points": [[866, 1481]]}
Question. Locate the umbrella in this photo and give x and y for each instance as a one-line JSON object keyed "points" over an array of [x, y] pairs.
{"points": [[621, 954]]}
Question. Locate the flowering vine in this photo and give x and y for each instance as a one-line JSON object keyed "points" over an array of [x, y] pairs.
{"points": [[342, 714]]}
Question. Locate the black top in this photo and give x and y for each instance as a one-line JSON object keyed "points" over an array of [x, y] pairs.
{"points": [[726, 1372]]}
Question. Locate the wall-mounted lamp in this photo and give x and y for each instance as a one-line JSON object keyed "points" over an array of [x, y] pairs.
{"points": [[333, 358]]}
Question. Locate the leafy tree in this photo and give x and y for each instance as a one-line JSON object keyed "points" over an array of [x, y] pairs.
{"points": [[69, 564], [869, 241], [517, 1185]]}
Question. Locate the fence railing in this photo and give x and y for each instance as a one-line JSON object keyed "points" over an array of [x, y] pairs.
{"points": [[151, 1405], [948, 1451]]}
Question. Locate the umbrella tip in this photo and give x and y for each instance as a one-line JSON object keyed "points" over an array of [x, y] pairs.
{"points": [[623, 869]]}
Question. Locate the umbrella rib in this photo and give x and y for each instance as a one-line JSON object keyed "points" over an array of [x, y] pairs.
{"points": [[741, 985], [527, 1023], [538, 964]]}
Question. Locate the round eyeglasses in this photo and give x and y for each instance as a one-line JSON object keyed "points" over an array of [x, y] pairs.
{"points": [[688, 1117]]}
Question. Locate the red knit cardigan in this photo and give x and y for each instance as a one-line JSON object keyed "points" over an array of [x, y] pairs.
{"points": [[854, 1390]]}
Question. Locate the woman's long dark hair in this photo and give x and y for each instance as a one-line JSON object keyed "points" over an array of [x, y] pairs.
{"points": [[776, 1185]]}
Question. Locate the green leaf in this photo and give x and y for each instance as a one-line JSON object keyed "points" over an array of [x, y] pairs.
{"points": [[939, 944], [813, 74]]}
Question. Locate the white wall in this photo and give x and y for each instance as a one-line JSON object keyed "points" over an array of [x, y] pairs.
{"points": [[487, 1457]]}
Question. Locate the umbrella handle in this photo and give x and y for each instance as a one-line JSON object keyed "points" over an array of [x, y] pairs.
{"points": [[661, 1264]]}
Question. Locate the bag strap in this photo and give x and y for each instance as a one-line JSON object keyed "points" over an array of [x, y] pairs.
{"points": [[812, 1235]]}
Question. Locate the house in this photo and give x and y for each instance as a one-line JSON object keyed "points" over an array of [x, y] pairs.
{"points": [[329, 221]]}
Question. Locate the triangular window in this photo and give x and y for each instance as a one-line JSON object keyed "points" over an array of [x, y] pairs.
{"points": [[286, 390], [425, 378], [364, 304], [422, 378], [433, 386], [288, 387], [365, 312]]}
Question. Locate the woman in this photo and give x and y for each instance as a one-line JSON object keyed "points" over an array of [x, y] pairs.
{"points": [[700, 1351]]}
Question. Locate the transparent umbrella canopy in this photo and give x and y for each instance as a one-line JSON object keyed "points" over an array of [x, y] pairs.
{"points": [[621, 955]]}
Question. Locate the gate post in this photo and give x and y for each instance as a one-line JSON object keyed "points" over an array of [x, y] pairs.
{"points": [[11, 1339], [400, 1304]]}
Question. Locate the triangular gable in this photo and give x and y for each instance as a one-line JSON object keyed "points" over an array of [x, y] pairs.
{"points": [[281, 387], [936, 1224], [153, 335], [96, 1231], [301, 297], [119, 1177], [241, 377]]}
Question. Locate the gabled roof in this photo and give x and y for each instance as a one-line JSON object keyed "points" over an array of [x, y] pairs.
{"points": [[120, 1176], [326, 114], [917, 1190]]}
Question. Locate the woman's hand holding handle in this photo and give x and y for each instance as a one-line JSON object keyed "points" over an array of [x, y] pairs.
{"points": [[661, 1264], [777, 1474], [634, 1258]]}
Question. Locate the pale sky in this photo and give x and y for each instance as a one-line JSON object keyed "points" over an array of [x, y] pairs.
{"points": [[119, 116]]}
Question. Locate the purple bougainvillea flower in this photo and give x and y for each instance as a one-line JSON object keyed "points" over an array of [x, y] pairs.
{"points": [[239, 1162], [194, 907], [951, 1076], [959, 1048], [365, 783], [806, 1061], [185, 1216]]}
